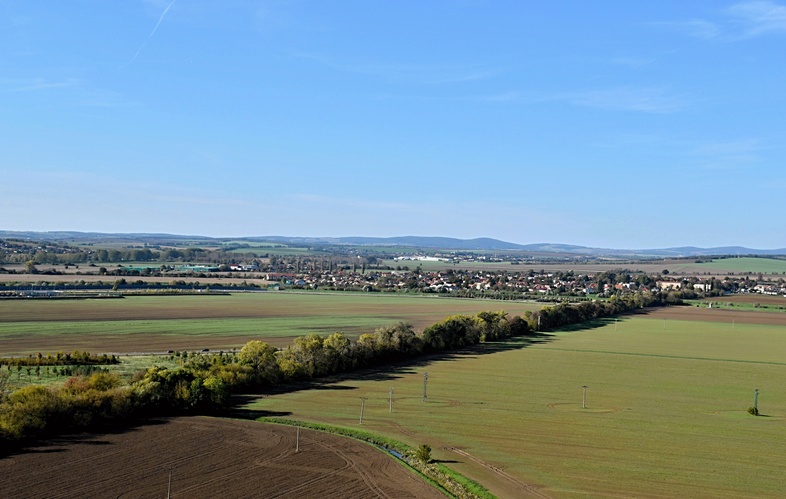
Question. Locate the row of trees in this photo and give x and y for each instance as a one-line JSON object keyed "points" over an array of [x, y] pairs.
{"points": [[76, 358], [204, 382], [71, 255], [564, 314]]}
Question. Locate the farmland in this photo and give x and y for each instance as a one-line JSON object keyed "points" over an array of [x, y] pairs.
{"points": [[763, 265], [668, 390], [676, 266], [665, 413], [161, 323], [209, 458]]}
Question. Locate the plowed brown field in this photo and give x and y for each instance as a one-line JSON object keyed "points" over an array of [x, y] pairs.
{"points": [[686, 313], [209, 457]]}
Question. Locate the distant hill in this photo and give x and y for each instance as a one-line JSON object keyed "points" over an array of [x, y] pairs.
{"points": [[483, 243], [421, 242], [489, 244]]}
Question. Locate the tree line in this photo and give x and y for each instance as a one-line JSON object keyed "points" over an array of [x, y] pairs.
{"points": [[204, 383], [60, 359]]}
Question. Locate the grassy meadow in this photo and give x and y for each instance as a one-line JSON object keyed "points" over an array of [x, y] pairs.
{"points": [[666, 410]]}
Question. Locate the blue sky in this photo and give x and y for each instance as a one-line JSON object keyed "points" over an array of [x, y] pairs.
{"points": [[606, 123]]}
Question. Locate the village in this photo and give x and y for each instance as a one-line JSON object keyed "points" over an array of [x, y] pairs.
{"points": [[511, 285]]}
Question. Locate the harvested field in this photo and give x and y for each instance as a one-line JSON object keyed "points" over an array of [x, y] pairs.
{"points": [[209, 457], [750, 298], [723, 315]]}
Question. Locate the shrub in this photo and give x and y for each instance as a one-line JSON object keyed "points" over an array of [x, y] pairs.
{"points": [[423, 453], [753, 411]]}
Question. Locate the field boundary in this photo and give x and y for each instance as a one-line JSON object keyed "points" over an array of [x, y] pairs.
{"points": [[452, 483], [527, 488]]}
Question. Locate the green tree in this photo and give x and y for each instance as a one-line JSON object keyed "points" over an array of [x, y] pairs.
{"points": [[493, 325], [4, 380], [423, 453], [261, 357], [396, 341], [337, 350], [30, 267], [454, 332], [308, 350]]}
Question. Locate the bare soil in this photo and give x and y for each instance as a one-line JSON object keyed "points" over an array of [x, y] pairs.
{"points": [[208, 457], [686, 313], [751, 298]]}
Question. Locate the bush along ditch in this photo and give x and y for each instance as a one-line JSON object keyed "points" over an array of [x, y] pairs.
{"points": [[417, 459]]}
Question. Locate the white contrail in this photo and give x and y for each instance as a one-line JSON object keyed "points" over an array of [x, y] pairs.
{"points": [[153, 32]]}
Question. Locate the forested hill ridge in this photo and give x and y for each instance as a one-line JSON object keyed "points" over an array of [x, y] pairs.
{"points": [[443, 243]]}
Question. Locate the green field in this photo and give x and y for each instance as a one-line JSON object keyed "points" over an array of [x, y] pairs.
{"points": [[666, 410], [193, 322], [741, 265]]}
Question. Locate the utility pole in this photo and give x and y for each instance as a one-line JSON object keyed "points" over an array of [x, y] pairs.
{"points": [[391, 399], [297, 439], [756, 400], [362, 408], [425, 382], [584, 397]]}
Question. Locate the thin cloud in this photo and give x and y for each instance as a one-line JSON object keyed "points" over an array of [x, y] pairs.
{"points": [[737, 22], [700, 28], [633, 99], [638, 99], [36, 84], [696, 28], [758, 18], [153, 32], [417, 73], [520, 97], [75, 92], [734, 154], [354, 203], [632, 62]]}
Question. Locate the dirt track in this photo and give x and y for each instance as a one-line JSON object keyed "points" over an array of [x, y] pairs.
{"points": [[209, 457]]}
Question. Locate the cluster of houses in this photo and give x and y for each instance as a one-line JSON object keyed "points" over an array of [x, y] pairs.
{"points": [[528, 282], [768, 289]]}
